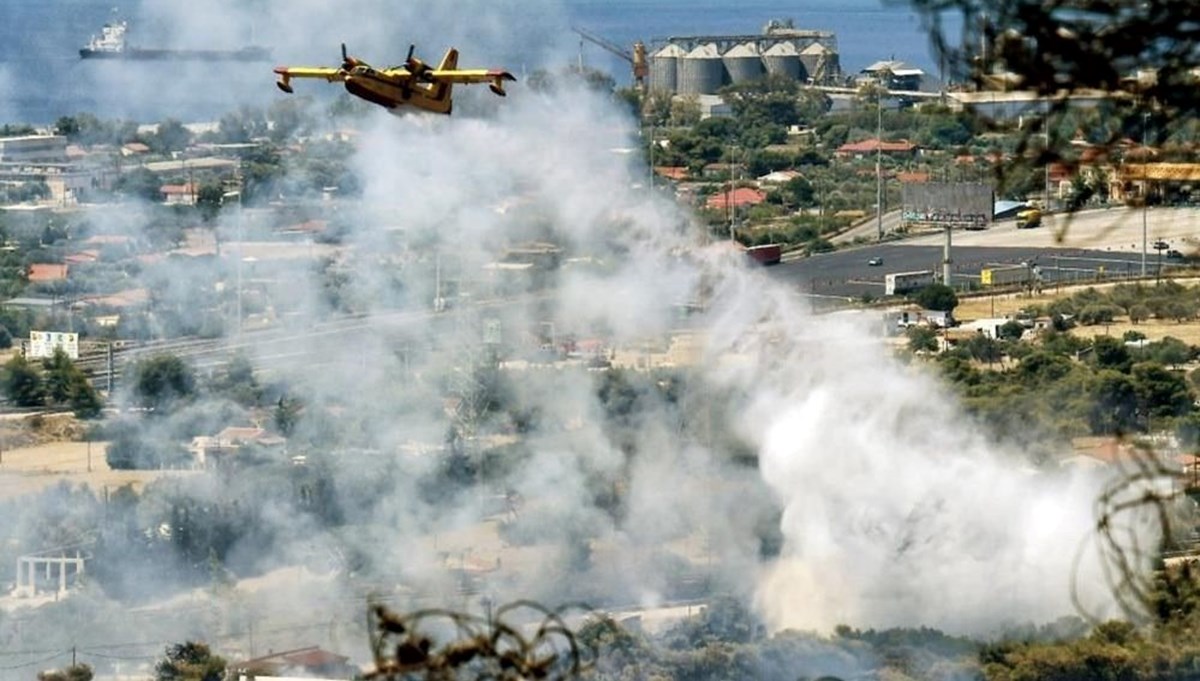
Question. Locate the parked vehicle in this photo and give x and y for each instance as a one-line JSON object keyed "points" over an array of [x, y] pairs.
{"points": [[766, 254], [1004, 276], [1029, 218], [898, 283]]}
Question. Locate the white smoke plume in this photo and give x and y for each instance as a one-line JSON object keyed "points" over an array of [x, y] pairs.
{"points": [[895, 511]]}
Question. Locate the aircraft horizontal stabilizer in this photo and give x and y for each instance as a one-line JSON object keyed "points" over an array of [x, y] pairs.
{"points": [[498, 78]]}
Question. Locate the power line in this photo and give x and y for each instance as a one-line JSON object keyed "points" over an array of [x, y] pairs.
{"points": [[23, 653], [36, 662]]}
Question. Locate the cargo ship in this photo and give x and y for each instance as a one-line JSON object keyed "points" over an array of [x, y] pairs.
{"points": [[112, 44]]}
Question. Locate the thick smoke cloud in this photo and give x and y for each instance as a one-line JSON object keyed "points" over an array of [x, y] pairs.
{"points": [[894, 510]]}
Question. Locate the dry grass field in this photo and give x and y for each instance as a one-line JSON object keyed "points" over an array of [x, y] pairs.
{"points": [[981, 307], [32, 468]]}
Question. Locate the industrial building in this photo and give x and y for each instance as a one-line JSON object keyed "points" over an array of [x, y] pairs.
{"points": [[701, 65], [33, 149]]}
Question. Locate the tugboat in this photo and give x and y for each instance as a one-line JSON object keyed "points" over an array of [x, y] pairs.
{"points": [[111, 44]]}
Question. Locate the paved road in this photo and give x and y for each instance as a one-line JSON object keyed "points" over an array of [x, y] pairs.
{"points": [[869, 229], [1074, 248], [846, 274], [1115, 229]]}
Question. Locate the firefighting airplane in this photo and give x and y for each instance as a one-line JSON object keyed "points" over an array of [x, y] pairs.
{"points": [[414, 83]]}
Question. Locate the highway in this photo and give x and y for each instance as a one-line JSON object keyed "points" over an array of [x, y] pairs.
{"points": [[1075, 248], [845, 275]]}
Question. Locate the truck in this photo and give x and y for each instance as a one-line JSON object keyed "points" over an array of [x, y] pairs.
{"points": [[1005, 276], [766, 254], [898, 283], [1029, 218]]}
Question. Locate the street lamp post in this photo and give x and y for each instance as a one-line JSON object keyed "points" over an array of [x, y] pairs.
{"points": [[238, 308], [1046, 172]]}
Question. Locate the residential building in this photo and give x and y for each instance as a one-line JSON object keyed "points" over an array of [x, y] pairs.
{"points": [[41, 273], [179, 194], [736, 198], [308, 663], [867, 147]]}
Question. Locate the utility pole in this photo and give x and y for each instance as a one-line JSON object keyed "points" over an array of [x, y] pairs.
{"points": [[947, 263], [731, 214], [879, 163], [650, 127], [108, 368], [1046, 172], [1145, 186], [238, 309]]}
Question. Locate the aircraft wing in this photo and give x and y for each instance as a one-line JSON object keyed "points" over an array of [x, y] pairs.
{"points": [[330, 74], [494, 77]]}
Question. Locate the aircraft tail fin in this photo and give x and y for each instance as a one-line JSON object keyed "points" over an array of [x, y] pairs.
{"points": [[441, 92], [450, 61]]}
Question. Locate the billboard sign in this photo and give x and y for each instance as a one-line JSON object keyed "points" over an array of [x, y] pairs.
{"points": [[957, 204], [43, 343]]}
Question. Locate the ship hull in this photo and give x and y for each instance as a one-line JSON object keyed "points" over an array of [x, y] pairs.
{"points": [[144, 54]]}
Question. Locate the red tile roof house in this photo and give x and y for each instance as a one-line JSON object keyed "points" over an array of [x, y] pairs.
{"points": [[742, 196], [870, 146], [311, 662], [46, 272], [179, 194], [677, 173], [912, 177], [214, 450], [83, 257], [108, 240], [131, 148]]}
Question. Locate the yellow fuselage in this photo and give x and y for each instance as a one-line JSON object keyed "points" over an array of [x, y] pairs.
{"points": [[380, 88]]}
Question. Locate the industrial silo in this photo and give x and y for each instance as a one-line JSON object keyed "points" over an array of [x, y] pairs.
{"points": [[783, 59], [820, 63], [743, 63], [701, 71], [664, 64]]}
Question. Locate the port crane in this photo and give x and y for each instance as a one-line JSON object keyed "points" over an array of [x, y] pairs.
{"points": [[637, 58]]}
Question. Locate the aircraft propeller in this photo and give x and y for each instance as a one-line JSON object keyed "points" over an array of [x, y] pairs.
{"points": [[418, 68]]}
